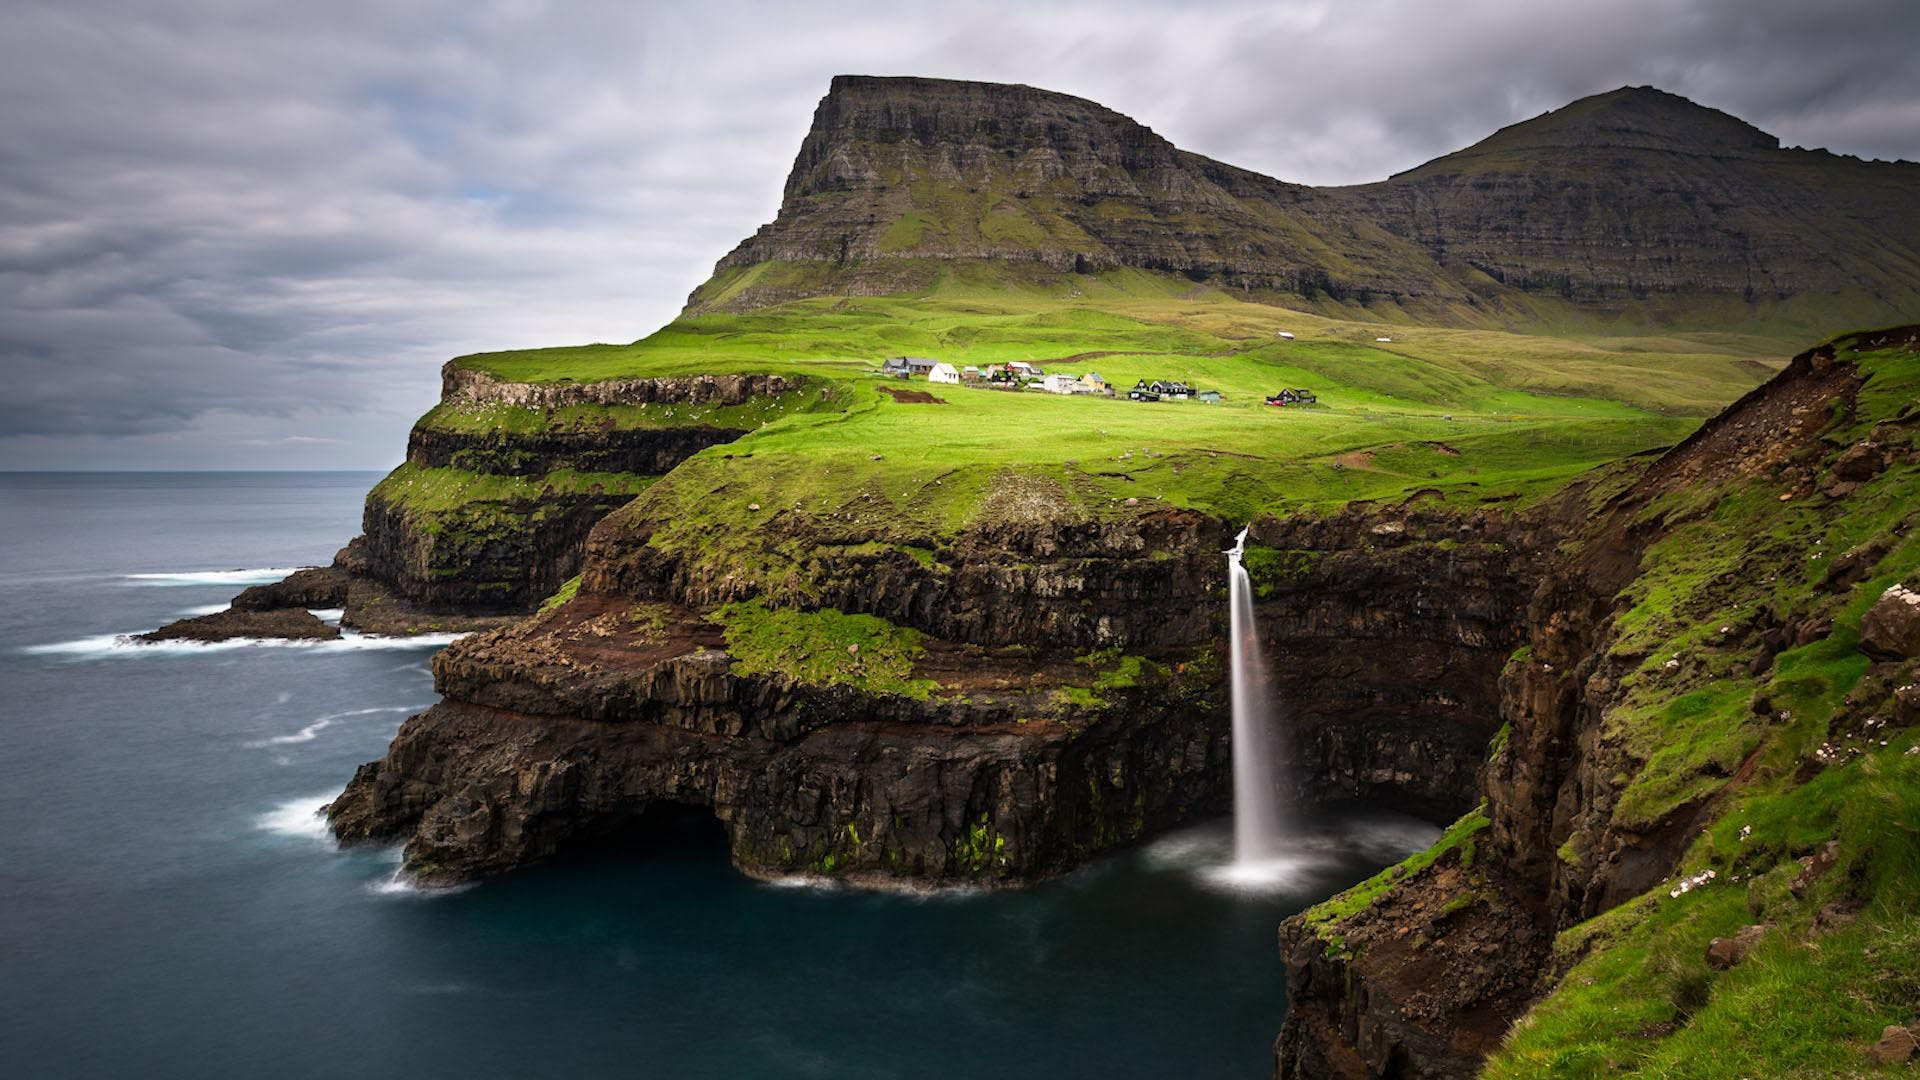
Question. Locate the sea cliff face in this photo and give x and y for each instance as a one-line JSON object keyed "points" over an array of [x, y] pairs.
{"points": [[1668, 650], [1064, 693]]}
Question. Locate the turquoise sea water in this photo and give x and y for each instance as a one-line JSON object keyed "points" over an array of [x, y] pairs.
{"points": [[169, 906]]}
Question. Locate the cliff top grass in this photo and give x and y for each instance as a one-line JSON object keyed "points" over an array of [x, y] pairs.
{"points": [[968, 320]]}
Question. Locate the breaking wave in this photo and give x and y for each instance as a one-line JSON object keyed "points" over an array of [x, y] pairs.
{"points": [[305, 819], [312, 731], [124, 646], [263, 576]]}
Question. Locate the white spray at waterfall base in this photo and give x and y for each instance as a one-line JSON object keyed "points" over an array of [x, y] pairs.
{"points": [[1258, 825]]}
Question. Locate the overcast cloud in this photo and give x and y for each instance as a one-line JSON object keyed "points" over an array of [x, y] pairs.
{"points": [[245, 235]]}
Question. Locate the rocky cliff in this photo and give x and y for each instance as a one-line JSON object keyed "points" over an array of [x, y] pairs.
{"points": [[1046, 685], [1634, 204], [1700, 645]]}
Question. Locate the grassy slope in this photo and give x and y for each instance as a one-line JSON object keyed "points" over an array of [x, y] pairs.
{"points": [[1639, 998], [1642, 1000], [1476, 414]]}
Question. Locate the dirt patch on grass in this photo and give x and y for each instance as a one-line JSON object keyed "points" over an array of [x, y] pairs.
{"points": [[913, 397], [1444, 449], [1355, 459]]}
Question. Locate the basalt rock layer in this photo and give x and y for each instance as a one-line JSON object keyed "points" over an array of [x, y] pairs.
{"points": [[570, 727], [505, 479], [1026, 737]]}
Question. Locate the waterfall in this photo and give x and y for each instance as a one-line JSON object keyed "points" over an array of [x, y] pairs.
{"points": [[1256, 751]]}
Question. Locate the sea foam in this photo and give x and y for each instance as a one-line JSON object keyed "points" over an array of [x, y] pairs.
{"points": [[303, 818], [124, 646], [263, 576], [312, 731]]}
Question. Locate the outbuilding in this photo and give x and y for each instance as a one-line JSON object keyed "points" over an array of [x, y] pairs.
{"points": [[1208, 397], [943, 373]]}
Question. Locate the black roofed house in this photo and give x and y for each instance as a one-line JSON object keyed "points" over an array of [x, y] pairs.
{"points": [[1170, 388]]}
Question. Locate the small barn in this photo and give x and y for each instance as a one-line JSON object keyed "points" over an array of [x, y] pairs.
{"points": [[970, 374], [1208, 397], [943, 373]]}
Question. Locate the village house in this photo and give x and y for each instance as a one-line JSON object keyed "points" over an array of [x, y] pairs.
{"points": [[919, 365], [1170, 389], [1062, 384], [970, 374], [1208, 397], [1025, 370], [1094, 383], [943, 373], [895, 368]]}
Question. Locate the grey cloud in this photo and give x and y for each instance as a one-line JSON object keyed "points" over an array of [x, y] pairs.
{"points": [[234, 233]]}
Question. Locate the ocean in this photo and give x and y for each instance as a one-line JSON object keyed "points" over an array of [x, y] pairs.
{"points": [[170, 905]]}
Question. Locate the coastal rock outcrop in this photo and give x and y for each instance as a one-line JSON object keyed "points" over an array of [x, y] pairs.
{"points": [[569, 727]]}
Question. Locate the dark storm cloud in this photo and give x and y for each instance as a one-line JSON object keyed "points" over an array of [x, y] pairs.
{"points": [[245, 234]]}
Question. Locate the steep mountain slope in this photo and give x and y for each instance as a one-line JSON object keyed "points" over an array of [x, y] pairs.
{"points": [[1634, 207], [1700, 834]]}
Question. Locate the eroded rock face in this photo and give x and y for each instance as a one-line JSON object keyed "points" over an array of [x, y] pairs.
{"points": [[568, 728], [1147, 583], [464, 385], [1386, 627]]}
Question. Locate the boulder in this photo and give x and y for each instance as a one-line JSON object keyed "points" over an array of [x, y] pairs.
{"points": [[1897, 1045], [1891, 628], [1724, 952], [1859, 462], [1906, 704], [1814, 867]]}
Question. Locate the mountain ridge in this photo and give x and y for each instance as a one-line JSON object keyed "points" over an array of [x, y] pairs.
{"points": [[1634, 205]]}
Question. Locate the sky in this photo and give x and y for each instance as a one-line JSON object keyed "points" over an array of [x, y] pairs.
{"points": [[246, 235]]}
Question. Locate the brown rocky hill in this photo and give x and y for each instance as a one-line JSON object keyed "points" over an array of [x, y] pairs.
{"points": [[1634, 206]]}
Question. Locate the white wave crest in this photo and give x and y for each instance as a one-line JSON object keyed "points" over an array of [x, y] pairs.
{"points": [[312, 731], [203, 609], [303, 818], [124, 646], [400, 885], [331, 616], [263, 576]]}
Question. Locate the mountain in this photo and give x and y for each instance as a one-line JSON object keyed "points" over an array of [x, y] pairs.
{"points": [[1635, 206]]}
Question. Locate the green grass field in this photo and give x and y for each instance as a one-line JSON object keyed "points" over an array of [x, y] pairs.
{"points": [[1469, 416]]}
